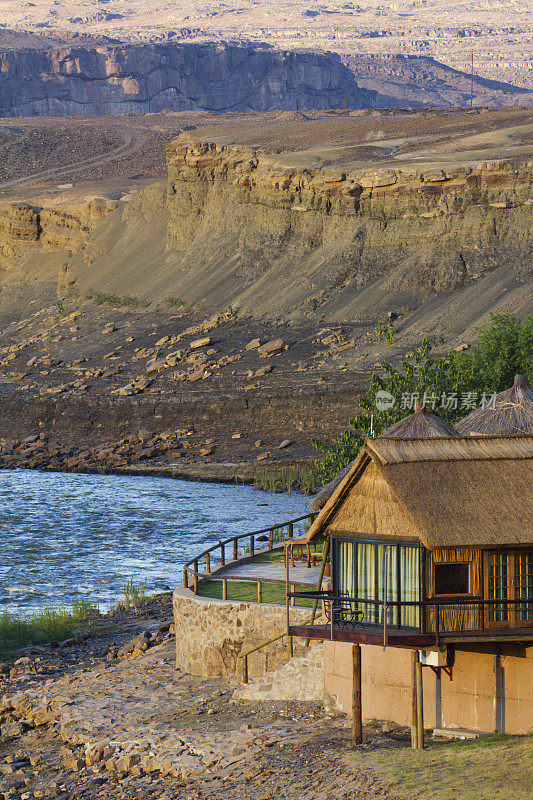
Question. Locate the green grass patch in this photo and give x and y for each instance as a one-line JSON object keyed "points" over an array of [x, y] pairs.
{"points": [[277, 555], [46, 625], [134, 596], [271, 555], [246, 591], [288, 479], [175, 302], [497, 767]]}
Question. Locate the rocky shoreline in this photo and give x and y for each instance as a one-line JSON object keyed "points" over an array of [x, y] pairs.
{"points": [[109, 715]]}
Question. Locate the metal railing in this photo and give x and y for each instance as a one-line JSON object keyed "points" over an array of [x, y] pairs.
{"points": [[191, 568], [492, 615]]}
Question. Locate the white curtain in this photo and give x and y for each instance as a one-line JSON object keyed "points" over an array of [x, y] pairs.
{"points": [[359, 569], [366, 579], [410, 582], [346, 568], [392, 581]]}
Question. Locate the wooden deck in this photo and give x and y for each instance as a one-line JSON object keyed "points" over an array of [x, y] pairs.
{"points": [[395, 638], [407, 638], [273, 571]]}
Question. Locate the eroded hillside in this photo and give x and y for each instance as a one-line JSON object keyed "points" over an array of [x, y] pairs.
{"points": [[333, 218], [220, 317], [336, 232]]}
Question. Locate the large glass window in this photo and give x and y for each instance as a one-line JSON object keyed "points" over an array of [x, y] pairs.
{"points": [[361, 569], [510, 577]]}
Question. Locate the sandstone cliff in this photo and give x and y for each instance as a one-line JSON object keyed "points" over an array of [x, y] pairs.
{"points": [[319, 238], [112, 80], [265, 235], [235, 228], [36, 244]]}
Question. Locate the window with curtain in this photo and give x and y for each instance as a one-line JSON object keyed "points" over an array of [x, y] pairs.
{"points": [[359, 571]]}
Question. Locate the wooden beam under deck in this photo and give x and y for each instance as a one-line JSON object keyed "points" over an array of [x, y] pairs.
{"points": [[410, 639], [488, 635], [394, 638]]}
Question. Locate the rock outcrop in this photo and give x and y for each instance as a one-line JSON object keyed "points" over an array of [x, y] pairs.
{"points": [[285, 237], [35, 245], [83, 81]]}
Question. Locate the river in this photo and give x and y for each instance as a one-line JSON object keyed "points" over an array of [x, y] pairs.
{"points": [[67, 536]]}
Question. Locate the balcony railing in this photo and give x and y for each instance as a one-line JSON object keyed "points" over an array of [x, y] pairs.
{"points": [[242, 545], [363, 618]]}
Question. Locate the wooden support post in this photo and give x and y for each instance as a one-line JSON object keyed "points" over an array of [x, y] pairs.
{"points": [[185, 578], [357, 708], [419, 706], [195, 577], [417, 727], [222, 554], [291, 647], [235, 550], [293, 589], [287, 586], [291, 530], [325, 554], [208, 563], [224, 588], [259, 592], [252, 544], [270, 539], [245, 669]]}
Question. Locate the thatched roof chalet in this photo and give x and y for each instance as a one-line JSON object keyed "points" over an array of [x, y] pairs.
{"points": [[511, 413], [420, 424], [442, 492]]}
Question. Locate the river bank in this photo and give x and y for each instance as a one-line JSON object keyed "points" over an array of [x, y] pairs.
{"points": [[242, 473], [74, 718]]}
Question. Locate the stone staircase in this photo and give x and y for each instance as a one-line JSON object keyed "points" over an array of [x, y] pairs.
{"points": [[301, 678]]}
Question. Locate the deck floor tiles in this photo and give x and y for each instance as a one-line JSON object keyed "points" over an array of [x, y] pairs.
{"points": [[272, 571]]}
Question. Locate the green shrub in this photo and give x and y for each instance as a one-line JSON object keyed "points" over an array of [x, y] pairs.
{"points": [[288, 479], [503, 349], [102, 298]]}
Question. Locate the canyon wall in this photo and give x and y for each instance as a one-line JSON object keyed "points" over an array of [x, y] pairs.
{"points": [[83, 81], [235, 228], [36, 244], [267, 237]]}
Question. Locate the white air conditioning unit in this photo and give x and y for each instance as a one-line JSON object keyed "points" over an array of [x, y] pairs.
{"points": [[433, 658]]}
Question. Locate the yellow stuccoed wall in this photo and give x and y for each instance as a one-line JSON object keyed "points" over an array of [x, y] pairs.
{"points": [[487, 692]]}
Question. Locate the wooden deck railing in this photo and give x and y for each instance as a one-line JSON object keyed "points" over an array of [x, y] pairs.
{"points": [[191, 568], [522, 616]]}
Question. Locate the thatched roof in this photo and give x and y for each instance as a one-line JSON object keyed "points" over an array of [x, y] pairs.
{"points": [[420, 424], [512, 412], [321, 498], [443, 492]]}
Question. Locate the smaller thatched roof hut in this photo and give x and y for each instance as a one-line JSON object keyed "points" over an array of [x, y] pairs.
{"points": [[419, 425], [511, 413]]}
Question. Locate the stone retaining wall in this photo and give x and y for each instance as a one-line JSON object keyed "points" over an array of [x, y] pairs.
{"points": [[210, 634]]}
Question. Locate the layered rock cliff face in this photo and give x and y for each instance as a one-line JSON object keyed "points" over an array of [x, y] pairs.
{"points": [[113, 80], [36, 244], [235, 228], [268, 238]]}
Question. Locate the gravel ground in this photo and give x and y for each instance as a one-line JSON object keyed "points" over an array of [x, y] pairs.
{"points": [[251, 750]]}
